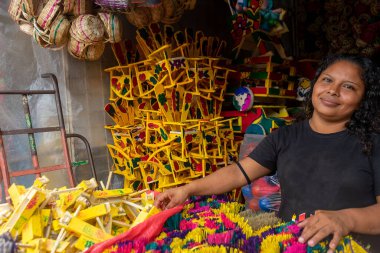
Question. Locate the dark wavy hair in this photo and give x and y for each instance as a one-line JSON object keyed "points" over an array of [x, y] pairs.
{"points": [[365, 120]]}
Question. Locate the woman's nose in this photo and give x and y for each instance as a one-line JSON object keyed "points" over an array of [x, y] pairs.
{"points": [[333, 90]]}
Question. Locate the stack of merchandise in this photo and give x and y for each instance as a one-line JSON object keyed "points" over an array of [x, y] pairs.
{"points": [[68, 220], [214, 224], [166, 110], [85, 219]]}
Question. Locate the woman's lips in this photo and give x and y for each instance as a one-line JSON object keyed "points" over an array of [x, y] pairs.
{"points": [[329, 102]]}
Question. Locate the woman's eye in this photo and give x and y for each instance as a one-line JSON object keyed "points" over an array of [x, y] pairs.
{"points": [[326, 79], [348, 86]]}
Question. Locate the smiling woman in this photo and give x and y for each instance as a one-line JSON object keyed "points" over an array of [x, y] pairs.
{"points": [[346, 90], [328, 166]]}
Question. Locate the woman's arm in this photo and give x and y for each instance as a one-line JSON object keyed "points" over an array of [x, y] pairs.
{"points": [[365, 220], [220, 181], [339, 223], [227, 178]]}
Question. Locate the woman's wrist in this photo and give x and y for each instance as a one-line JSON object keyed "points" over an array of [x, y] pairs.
{"points": [[348, 219], [188, 189]]}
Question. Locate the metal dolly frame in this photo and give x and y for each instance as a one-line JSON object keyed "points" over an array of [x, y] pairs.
{"points": [[30, 131]]}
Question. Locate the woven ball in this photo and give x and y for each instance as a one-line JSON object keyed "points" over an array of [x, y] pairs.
{"points": [[76, 48], [68, 6], [59, 31], [170, 7], [82, 7], [87, 29], [40, 7], [139, 16], [94, 52], [112, 25], [14, 9], [157, 13], [32, 7], [84, 51], [172, 11], [48, 13]]}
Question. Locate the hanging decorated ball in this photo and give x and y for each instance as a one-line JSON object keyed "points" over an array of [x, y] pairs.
{"points": [[243, 99], [247, 193], [265, 204]]}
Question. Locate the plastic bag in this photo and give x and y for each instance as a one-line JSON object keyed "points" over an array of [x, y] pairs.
{"points": [[263, 194]]}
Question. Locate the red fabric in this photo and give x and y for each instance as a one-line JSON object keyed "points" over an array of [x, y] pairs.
{"points": [[148, 230]]}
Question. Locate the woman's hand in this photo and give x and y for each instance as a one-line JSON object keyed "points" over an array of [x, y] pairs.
{"points": [[323, 224], [171, 198]]}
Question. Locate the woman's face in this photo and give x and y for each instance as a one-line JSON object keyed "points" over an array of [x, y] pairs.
{"points": [[338, 91]]}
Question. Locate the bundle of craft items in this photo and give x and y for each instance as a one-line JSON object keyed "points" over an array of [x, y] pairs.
{"points": [[258, 102], [265, 75], [55, 23], [259, 23], [68, 220], [265, 82], [216, 224], [166, 110]]}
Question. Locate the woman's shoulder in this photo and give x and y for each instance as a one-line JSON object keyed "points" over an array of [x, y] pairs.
{"points": [[293, 128], [289, 132]]}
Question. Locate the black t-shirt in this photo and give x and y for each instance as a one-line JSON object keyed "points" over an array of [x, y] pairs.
{"points": [[319, 171]]}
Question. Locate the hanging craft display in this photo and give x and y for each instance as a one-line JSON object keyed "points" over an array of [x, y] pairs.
{"points": [[54, 24], [257, 23], [142, 13]]}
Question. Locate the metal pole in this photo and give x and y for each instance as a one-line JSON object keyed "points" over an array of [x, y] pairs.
{"points": [[4, 167], [62, 127], [89, 153]]}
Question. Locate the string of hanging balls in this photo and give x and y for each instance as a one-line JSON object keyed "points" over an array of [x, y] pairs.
{"points": [[56, 23]]}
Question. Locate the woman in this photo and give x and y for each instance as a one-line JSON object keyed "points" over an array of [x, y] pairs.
{"points": [[328, 165]]}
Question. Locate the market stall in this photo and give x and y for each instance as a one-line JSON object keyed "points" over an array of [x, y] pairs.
{"points": [[162, 93]]}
